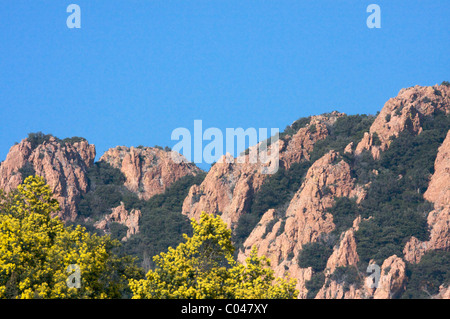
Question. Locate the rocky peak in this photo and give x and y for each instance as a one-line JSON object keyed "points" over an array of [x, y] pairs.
{"points": [[63, 164], [344, 254], [393, 278], [148, 171], [231, 182], [120, 215], [305, 220], [404, 112]]}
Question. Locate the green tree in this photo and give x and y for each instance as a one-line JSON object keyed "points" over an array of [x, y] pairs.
{"points": [[36, 250], [203, 267]]}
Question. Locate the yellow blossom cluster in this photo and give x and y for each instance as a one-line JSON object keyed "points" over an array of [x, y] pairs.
{"points": [[36, 250], [203, 267]]}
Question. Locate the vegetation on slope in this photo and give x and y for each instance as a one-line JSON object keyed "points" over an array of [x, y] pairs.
{"points": [[395, 197]]}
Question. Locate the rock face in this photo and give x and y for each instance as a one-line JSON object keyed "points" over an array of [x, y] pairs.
{"points": [[63, 165], [438, 193], [120, 215], [404, 112], [392, 280], [298, 147], [230, 184], [305, 220], [338, 290], [148, 171], [344, 254], [444, 293], [281, 237], [227, 188]]}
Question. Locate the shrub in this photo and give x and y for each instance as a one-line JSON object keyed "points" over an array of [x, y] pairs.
{"points": [[73, 139], [388, 117], [425, 278], [375, 139], [344, 211], [395, 197], [314, 255], [348, 275], [102, 173], [346, 129], [162, 224], [294, 127], [38, 138], [117, 231], [314, 284], [27, 170]]}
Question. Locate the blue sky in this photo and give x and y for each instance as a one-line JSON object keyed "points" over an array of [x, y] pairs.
{"points": [[136, 70]]}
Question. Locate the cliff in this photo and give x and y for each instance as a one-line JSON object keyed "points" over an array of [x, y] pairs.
{"points": [[406, 111], [231, 183], [64, 166], [148, 171]]}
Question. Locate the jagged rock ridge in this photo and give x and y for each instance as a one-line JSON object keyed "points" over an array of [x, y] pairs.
{"points": [[63, 165], [148, 171], [232, 183]]}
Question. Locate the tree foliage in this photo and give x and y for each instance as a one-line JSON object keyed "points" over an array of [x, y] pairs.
{"points": [[38, 138], [395, 200], [346, 129], [315, 255], [36, 250], [428, 275], [162, 224], [203, 267]]}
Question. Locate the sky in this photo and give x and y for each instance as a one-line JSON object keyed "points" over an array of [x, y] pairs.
{"points": [[138, 69]]}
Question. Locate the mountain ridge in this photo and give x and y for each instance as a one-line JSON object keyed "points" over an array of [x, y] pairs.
{"points": [[332, 167]]}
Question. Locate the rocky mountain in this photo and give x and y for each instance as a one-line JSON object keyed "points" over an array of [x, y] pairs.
{"points": [[282, 232], [406, 111], [148, 171], [230, 184], [63, 163], [359, 207]]}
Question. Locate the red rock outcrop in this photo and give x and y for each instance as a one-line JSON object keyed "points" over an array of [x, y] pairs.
{"points": [[405, 111], [344, 254], [438, 191], [148, 171], [306, 219], [227, 189], [297, 148], [438, 220], [120, 215], [338, 290], [63, 165], [444, 293], [393, 278], [231, 182]]}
